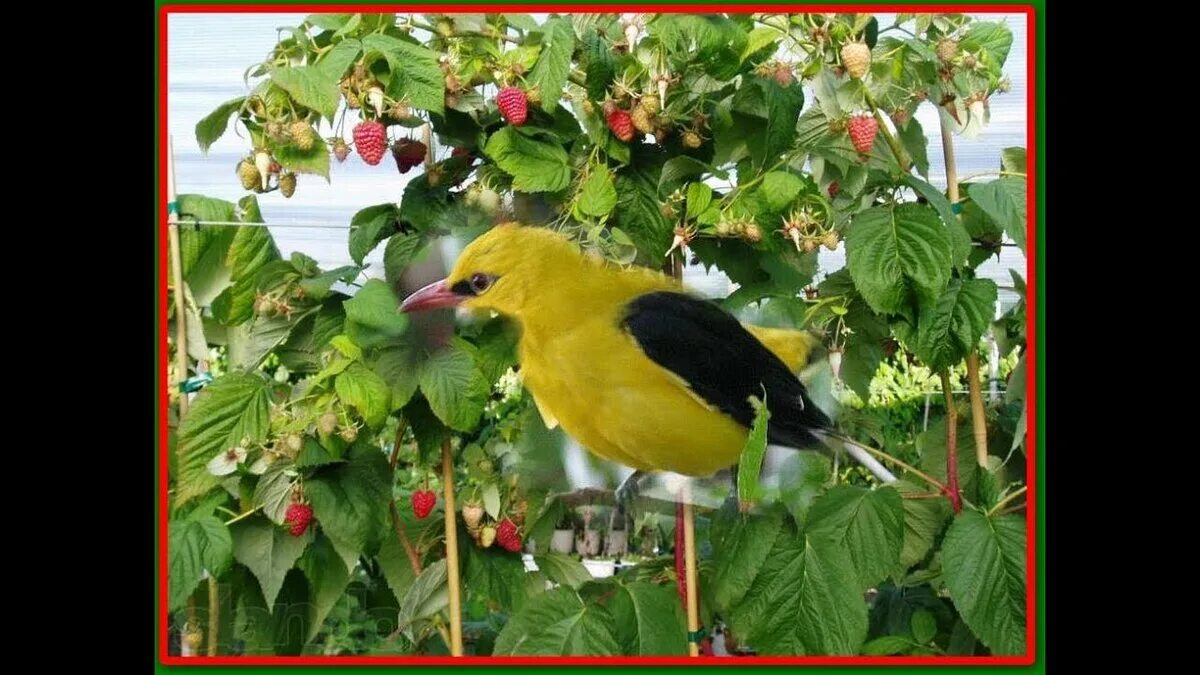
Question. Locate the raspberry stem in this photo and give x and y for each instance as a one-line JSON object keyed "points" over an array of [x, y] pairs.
{"points": [[897, 149]]}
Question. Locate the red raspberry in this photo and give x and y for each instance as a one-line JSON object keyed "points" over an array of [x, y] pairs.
{"points": [[507, 535], [513, 104], [408, 153], [621, 124], [834, 188], [297, 518], [423, 502], [862, 130], [370, 139]]}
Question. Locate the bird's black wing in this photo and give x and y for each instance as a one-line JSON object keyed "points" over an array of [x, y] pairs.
{"points": [[723, 363]]}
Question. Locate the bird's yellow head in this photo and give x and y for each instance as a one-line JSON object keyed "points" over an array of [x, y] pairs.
{"points": [[499, 271]]}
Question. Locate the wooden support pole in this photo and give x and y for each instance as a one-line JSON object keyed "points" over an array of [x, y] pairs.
{"points": [[452, 576], [689, 551]]}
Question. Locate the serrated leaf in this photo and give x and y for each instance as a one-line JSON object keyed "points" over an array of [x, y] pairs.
{"points": [[553, 66], [678, 170], [868, 523], [598, 196], [327, 578], [337, 60], [983, 563], [993, 37], [454, 387], [648, 620], [397, 570], [310, 86], [349, 499], [758, 39], [950, 329], [779, 189], [598, 66], [536, 166], [370, 226], [427, 595], [557, 623], [924, 626], [780, 107], [896, 255], [375, 306], [1013, 160], [960, 239], [213, 125], [400, 368], [496, 574], [563, 569], [699, 197], [802, 477], [750, 460], [402, 250], [741, 544], [315, 160], [269, 551], [887, 645], [924, 520], [196, 544], [415, 72], [232, 407], [360, 388], [273, 491], [1004, 201], [913, 138]]}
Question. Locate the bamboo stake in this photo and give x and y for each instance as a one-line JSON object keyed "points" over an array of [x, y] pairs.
{"points": [[978, 415], [181, 358], [689, 551], [456, 646]]}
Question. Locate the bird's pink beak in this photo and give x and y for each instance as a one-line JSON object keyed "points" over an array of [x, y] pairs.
{"points": [[433, 296]]}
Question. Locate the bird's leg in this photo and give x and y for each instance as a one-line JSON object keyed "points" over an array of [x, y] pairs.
{"points": [[628, 489]]}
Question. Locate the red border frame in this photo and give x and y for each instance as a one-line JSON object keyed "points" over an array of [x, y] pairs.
{"points": [[1030, 355]]}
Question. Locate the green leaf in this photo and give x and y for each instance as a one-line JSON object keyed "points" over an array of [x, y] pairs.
{"points": [[802, 477], [454, 387], [553, 66], [327, 578], [311, 87], [750, 461], [397, 570], [897, 254], [415, 72], [335, 62], [887, 645], [678, 170], [195, 545], [536, 166], [759, 39], [370, 226], [212, 127], [313, 455], [780, 106], [1004, 201], [598, 196], [557, 623], [699, 197], [495, 574], [273, 491], [924, 520], [364, 391], [234, 407], [960, 239], [314, 160], [376, 306], [401, 369], [648, 620], [983, 563], [780, 189], [950, 329], [349, 499], [598, 66], [427, 596], [801, 580], [563, 569], [931, 443], [1013, 160], [913, 138], [491, 500], [868, 523], [741, 544], [269, 551], [924, 626], [401, 251], [990, 36]]}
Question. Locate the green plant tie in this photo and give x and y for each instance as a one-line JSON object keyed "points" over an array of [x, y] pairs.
{"points": [[173, 208], [195, 383], [697, 635], [956, 208]]}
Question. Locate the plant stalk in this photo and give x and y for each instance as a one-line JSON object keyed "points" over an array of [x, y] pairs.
{"points": [[898, 150], [452, 577], [214, 611], [978, 414], [414, 560], [951, 444]]}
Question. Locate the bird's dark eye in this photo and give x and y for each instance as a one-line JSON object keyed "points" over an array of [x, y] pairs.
{"points": [[480, 282]]}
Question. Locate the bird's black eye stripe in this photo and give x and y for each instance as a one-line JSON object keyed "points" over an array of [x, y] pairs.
{"points": [[462, 288]]}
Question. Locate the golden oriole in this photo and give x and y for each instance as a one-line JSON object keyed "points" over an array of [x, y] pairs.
{"points": [[635, 369]]}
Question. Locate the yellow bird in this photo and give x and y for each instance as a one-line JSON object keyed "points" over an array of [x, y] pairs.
{"points": [[634, 368]]}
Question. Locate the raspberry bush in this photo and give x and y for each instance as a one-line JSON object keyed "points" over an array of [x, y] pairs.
{"points": [[303, 475]]}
